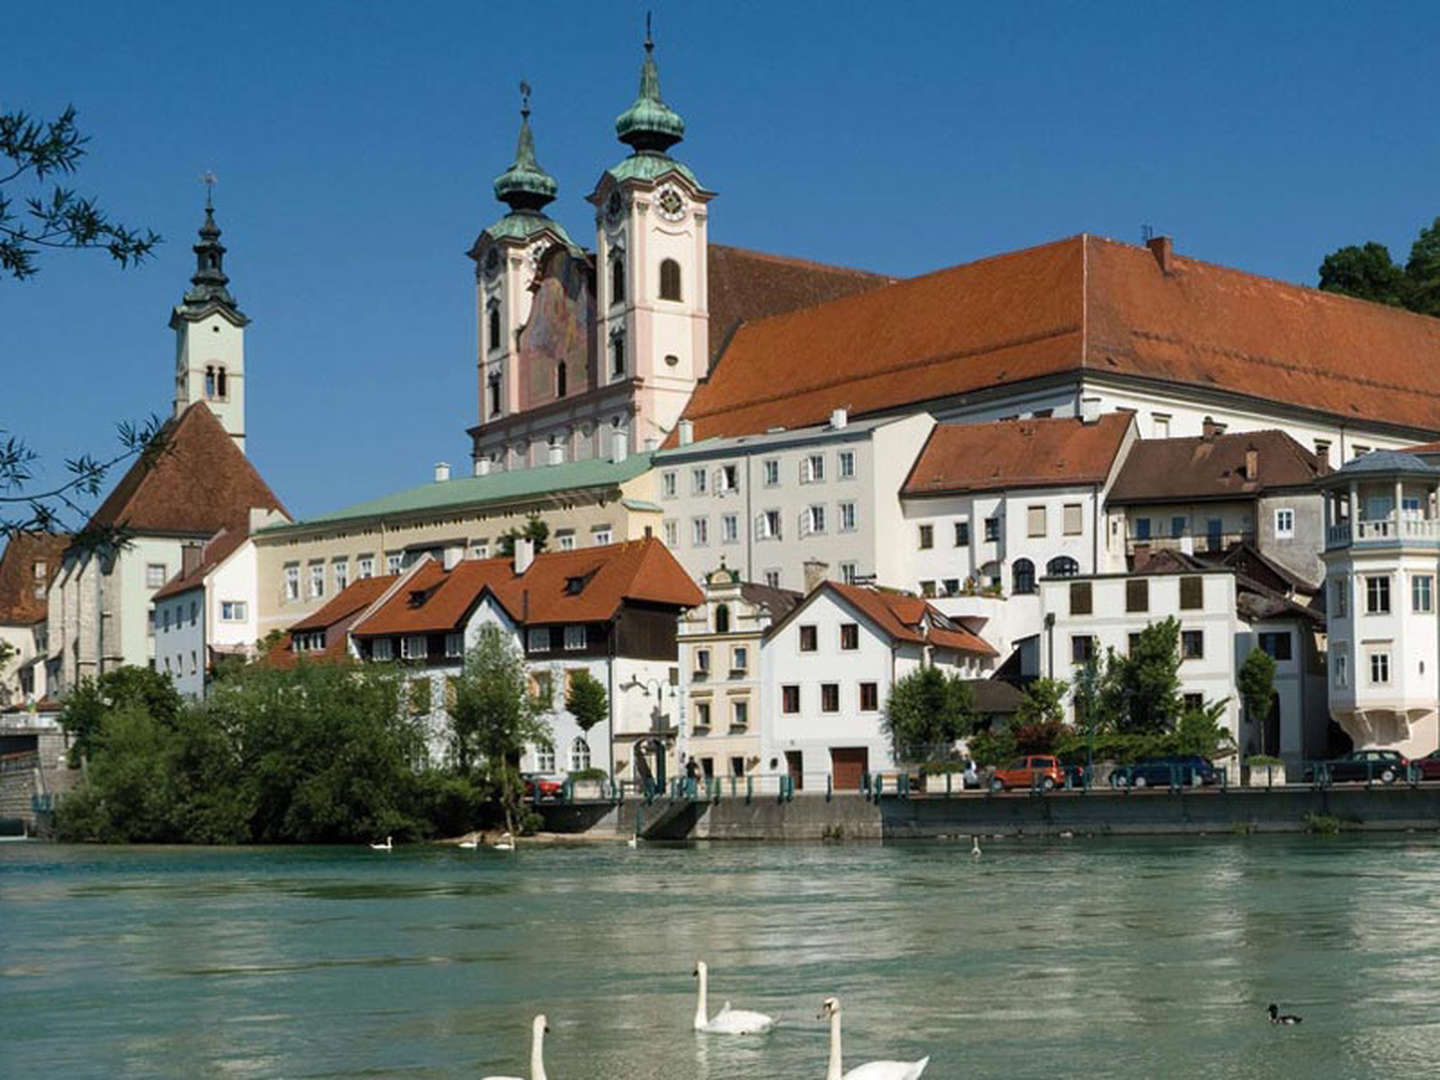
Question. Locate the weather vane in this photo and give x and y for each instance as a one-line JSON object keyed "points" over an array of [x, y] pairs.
{"points": [[208, 179], [524, 97], [648, 43]]}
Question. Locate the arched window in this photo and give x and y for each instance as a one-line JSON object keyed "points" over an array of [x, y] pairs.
{"points": [[494, 384], [617, 280], [210, 382], [722, 619], [1022, 577], [669, 280], [494, 326], [560, 380], [579, 755], [617, 354], [1062, 566]]}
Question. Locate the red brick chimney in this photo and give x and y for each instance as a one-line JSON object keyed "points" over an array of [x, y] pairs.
{"points": [[1163, 248]]}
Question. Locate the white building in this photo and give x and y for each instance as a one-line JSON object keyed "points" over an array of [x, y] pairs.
{"points": [[770, 503], [827, 669], [1382, 541]]}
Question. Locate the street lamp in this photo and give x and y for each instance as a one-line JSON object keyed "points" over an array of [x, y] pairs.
{"points": [[657, 718]]}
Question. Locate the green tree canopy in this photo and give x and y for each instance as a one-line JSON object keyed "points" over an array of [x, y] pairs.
{"points": [[1142, 689], [1423, 271], [535, 530], [926, 712], [587, 700], [1256, 681], [88, 704], [1367, 271]]}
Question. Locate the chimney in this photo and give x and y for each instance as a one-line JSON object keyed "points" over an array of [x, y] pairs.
{"points": [[1252, 464], [1209, 428], [482, 466], [619, 445], [1089, 409], [815, 572], [687, 432], [524, 555], [190, 559], [556, 455], [442, 471], [652, 443], [1163, 248], [838, 418]]}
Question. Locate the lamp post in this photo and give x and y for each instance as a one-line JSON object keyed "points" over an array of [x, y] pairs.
{"points": [[657, 719]]}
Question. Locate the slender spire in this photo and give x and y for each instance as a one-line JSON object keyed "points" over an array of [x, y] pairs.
{"points": [[525, 186], [209, 283], [649, 124]]}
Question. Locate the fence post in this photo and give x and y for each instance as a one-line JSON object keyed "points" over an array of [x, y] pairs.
{"points": [[828, 787]]}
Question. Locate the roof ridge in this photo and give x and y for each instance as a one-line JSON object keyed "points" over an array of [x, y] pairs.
{"points": [[800, 261]]}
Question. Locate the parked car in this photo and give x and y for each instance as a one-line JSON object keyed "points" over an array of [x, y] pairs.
{"points": [[548, 787], [1036, 769], [1190, 771], [1428, 767], [1387, 766]]}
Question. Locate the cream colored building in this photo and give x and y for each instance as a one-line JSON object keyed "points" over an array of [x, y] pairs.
{"points": [[582, 503]]}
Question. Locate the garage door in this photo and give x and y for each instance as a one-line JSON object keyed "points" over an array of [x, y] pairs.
{"points": [[848, 765]]}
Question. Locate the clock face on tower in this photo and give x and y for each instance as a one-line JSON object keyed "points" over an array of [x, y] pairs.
{"points": [[671, 204]]}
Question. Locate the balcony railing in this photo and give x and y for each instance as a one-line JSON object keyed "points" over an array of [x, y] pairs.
{"points": [[1386, 530], [1193, 542]]}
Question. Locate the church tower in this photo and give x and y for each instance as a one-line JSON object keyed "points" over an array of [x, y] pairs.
{"points": [[210, 337], [653, 323], [507, 255]]}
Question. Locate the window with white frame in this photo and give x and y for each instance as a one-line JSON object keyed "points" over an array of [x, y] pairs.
{"points": [[601, 535], [698, 480], [292, 582], [537, 639], [1422, 593], [1073, 519], [770, 467], [232, 610], [846, 464], [739, 715], [849, 571], [814, 518], [847, 516], [772, 578], [1342, 665], [341, 569], [992, 529], [729, 528], [1377, 594], [728, 478], [565, 539], [317, 580], [812, 469], [154, 575], [739, 659], [579, 755], [767, 525], [574, 638], [672, 533], [1035, 521], [699, 531], [1379, 668], [454, 644], [382, 649], [669, 484], [394, 562], [702, 716], [545, 759], [365, 566], [1284, 523], [962, 534], [414, 647]]}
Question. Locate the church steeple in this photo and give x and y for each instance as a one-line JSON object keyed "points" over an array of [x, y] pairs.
{"points": [[525, 186], [209, 285], [649, 125]]}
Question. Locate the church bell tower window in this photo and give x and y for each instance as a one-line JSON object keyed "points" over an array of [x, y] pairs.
{"points": [[669, 280], [617, 354], [560, 380], [495, 394], [494, 327], [617, 280]]}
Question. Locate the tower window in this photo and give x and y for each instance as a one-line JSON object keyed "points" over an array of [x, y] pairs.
{"points": [[617, 280], [617, 354], [495, 394], [669, 280], [210, 381], [560, 381], [494, 326], [220, 387]]}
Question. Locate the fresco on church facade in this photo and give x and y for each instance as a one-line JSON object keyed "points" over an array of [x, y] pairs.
{"points": [[561, 329]]}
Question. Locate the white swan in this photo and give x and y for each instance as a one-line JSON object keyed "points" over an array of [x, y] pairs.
{"points": [[386, 846], [505, 843], [975, 846], [727, 1021], [538, 1030], [470, 843], [871, 1070], [633, 842]]}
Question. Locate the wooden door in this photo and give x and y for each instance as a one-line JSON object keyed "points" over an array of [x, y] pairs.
{"points": [[795, 766], [848, 765]]}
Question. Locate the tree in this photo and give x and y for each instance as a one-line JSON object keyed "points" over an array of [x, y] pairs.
{"points": [[1142, 689], [1256, 682], [586, 700], [495, 717], [1365, 272], [57, 218], [127, 687], [1200, 732], [1040, 719], [535, 531], [1423, 271], [926, 712]]}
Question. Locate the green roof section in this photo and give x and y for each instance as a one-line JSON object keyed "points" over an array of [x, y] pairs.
{"points": [[642, 504], [649, 124], [523, 224], [650, 166], [525, 185], [481, 491]]}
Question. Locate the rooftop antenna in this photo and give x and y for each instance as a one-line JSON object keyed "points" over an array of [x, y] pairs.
{"points": [[208, 179], [1147, 233]]}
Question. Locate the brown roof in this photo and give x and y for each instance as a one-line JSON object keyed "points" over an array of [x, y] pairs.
{"points": [[638, 571], [1017, 453], [22, 594], [772, 598], [216, 550], [1079, 304], [334, 618], [1163, 470], [747, 285], [200, 484], [908, 618]]}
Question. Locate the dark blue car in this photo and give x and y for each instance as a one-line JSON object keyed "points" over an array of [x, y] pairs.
{"points": [[1189, 771]]}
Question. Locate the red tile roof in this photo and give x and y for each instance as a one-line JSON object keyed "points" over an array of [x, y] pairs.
{"points": [[1079, 304], [1214, 467], [20, 605], [1017, 453], [434, 599], [909, 618], [334, 618], [216, 550], [200, 484]]}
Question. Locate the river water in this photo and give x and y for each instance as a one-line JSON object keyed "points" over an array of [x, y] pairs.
{"points": [[1100, 957]]}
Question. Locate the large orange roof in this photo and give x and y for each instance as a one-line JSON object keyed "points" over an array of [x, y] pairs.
{"points": [[584, 585], [1076, 305], [1017, 453], [909, 618]]}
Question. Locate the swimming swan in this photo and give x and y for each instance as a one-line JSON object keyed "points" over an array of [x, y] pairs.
{"points": [[975, 846], [871, 1070], [505, 843], [470, 843], [537, 1051], [727, 1021], [386, 846]]}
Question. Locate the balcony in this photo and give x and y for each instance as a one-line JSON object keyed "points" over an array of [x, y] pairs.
{"points": [[1189, 543], [1390, 529]]}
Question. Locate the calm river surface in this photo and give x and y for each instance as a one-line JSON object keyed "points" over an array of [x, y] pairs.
{"points": [[1100, 957]]}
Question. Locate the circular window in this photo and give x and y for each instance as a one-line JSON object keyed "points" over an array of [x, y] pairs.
{"points": [[672, 360]]}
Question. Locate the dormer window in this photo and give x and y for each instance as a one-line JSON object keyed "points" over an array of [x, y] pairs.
{"points": [[574, 586]]}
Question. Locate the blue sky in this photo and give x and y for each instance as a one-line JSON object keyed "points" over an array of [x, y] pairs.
{"points": [[356, 143]]}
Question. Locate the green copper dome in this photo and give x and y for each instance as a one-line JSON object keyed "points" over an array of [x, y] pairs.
{"points": [[649, 124], [525, 185]]}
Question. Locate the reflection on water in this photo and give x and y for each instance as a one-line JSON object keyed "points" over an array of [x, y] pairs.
{"points": [[1136, 957]]}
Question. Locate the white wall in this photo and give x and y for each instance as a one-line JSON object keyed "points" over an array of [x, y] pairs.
{"points": [[179, 640]]}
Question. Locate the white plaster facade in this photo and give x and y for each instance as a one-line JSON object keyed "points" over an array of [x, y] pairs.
{"points": [[210, 367]]}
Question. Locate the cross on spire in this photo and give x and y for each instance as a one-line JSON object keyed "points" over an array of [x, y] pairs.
{"points": [[208, 179]]}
